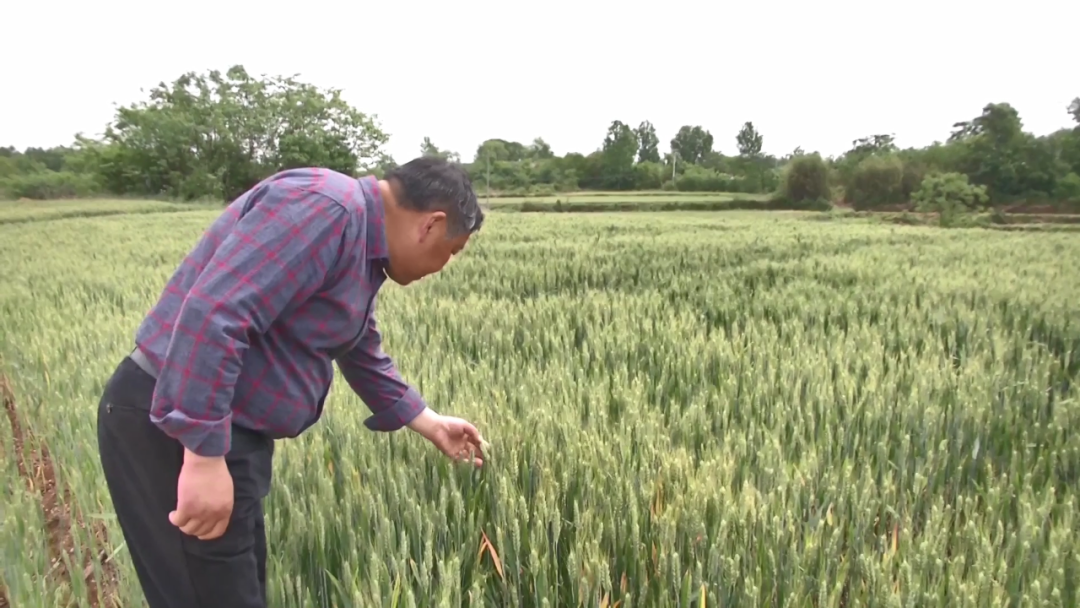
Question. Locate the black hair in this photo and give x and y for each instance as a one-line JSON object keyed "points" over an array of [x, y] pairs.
{"points": [[431, 182]]}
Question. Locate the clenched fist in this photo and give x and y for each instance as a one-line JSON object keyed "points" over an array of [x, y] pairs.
{"points": [[204, 497]]}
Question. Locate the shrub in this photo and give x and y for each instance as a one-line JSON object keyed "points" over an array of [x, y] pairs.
{"points": [[649, 175], [949, 195], [914, 172], [806, 179], [49, 185], [701, 179], [877, 181], [1068, 188]]}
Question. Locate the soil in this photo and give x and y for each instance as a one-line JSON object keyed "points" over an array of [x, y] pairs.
{"points": [[35, 467]]}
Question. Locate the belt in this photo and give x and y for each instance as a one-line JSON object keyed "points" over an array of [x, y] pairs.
{"points": [[140, 359]]}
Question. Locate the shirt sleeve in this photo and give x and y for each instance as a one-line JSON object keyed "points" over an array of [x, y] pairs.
{"points": [[372, 375], [276, 255]]}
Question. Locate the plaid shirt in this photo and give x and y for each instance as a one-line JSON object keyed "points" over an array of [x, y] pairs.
{"points": [[281, 284]]}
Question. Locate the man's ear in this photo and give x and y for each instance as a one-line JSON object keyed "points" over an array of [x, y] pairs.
{"points": [[431, 223]]}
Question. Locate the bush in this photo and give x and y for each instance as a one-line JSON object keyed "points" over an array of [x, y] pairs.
{"points": [[49, 185], [877, 181], [649, 175], [806, 179], [701, 179], [1068, 188], [914, 172], [542, 190], [949, 195]]}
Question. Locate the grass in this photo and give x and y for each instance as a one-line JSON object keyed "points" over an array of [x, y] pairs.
{"points": [[624, 201], [572, 198], [12, 212], [1012, 222], [17, 212], [686, 409]]}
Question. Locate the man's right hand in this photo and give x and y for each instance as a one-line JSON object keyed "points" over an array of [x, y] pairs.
{"points": [[204, 497]]}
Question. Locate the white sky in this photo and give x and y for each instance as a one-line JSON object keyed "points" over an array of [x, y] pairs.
{"points": [[811, 74]]}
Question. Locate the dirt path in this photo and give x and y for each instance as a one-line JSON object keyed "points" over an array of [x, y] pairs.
{"points": [[35, 467]]}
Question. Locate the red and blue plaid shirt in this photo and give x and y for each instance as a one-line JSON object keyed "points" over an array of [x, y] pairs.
{"points": [[280, 285]]}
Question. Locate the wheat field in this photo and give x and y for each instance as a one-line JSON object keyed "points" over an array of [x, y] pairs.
{"points": [[725, 409]]}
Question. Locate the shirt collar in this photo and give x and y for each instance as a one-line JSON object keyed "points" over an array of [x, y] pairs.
{"points": [[375, 215]]}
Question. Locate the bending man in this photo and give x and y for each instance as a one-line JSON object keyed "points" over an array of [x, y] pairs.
{"points": [[238, 352]]}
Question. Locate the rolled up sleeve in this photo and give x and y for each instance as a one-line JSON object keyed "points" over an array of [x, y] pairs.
{"points": [[277, 255]]}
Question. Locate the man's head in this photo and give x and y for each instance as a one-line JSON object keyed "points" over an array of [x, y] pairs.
{"points": [[431, 211]]}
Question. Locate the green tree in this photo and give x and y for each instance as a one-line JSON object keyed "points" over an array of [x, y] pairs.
{"points": [[999, 155], [620, 148], [648, 143], [692, 144], [874, 144], [217, 134], [750, 162], [540, 150], [427, 148], [749, 141], [861, 149], [500, 150]]}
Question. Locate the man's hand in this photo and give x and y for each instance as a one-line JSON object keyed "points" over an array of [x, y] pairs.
{"points": [[455, 437], [204, 497]]}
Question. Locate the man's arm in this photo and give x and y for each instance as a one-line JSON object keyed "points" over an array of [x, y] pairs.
{"points": [[279, 253], [372, 375]]}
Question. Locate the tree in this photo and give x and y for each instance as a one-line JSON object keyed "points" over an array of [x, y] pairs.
{"points": [[997, 154], [500, 150], [427, 148], [540, 150], [620, 148], [798, 151], [691, 144], [648, 143], [875, 144], [749, 141], [861, 149], [217, 134], [999, 122]]}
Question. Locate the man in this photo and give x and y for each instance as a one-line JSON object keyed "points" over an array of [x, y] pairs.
{"points": [[237, 353]]}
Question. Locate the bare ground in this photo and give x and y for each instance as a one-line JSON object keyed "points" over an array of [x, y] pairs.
{"points": [[35, 467]]}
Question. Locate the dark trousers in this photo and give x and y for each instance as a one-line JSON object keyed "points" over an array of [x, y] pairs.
{"points": [[142, 465]]}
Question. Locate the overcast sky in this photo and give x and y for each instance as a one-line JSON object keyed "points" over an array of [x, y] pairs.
{"points": [[810, 74]]}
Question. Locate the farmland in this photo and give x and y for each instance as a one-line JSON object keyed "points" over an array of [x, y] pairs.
{"points": [[583, 201], [685, 409], [642, 197]]}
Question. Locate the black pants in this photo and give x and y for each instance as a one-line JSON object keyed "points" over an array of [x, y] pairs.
{"points": [[141, 466]]}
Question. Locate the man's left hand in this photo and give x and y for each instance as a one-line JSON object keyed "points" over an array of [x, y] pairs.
{"points": [[454, 437]]}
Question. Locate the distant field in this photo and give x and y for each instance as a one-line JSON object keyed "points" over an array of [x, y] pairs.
{"points": [[23, 211], [625, 201], [579, 198], [14, 212]]}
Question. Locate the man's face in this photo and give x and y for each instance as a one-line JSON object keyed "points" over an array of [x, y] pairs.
{"points": [[422, 248]]}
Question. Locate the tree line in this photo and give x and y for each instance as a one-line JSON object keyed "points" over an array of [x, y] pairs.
{"points": [[215, 134]]}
